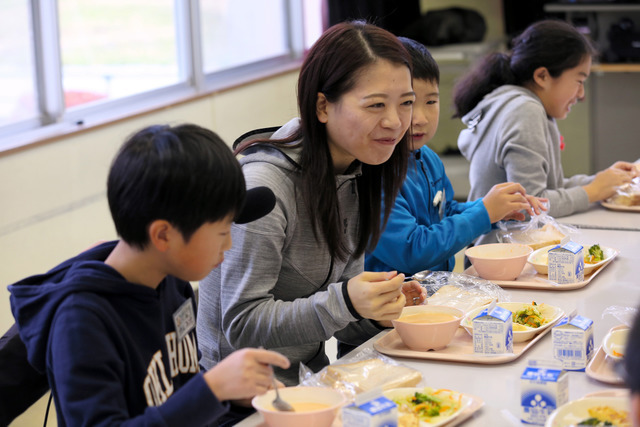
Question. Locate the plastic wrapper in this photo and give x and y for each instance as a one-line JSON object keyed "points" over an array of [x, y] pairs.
{"points": [[627, 195], [540, 231], [460, 290], [361, 372], [625, 315]]}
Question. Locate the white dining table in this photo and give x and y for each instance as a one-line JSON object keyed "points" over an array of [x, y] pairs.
{"points": [[499, 385], [599, 217]]}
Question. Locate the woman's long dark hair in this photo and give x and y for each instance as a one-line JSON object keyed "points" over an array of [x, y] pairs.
{"points": [[553, 44], [332, 67]]}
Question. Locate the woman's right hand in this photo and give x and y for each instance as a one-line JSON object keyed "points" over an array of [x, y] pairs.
{"points": [[377, 295], [606, 182]]}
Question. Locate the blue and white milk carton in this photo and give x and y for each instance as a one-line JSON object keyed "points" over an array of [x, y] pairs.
{"points": [[371, 409], [572, 340], [544, 387], [566, 263], [493, 331]]}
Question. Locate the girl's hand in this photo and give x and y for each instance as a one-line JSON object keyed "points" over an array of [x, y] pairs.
{"points": [[606, 182]]}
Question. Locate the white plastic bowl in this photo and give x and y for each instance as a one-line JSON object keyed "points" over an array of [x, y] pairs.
{"points": [[319, 418], [499, 261], [578, 410], [615, 342]]}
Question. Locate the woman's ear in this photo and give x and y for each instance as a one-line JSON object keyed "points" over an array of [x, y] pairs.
{"points": [[160, 233], [321, 108], [541, 76]]}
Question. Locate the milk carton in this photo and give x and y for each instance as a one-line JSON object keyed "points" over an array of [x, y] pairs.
{"points": [[371, 409], [566, 263], [544, 387], [493, 331], [572, 340]]}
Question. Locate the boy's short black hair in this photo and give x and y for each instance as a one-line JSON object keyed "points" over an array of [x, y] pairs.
{"points": [[424, 66], [183, 174]]}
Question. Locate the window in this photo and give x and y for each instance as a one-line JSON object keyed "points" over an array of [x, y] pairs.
{"points": [[70, 62], [236, 33], [18, 99], [116, 48]]}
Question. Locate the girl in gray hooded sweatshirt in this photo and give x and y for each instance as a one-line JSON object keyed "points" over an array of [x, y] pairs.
{"points": [[295, 278], [510, 103]]}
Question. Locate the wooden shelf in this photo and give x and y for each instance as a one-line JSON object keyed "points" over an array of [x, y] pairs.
{"points": [[616, 68], [561, 7]]}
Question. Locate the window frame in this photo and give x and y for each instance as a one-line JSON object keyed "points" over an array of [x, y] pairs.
{"points": [[54, 120]]}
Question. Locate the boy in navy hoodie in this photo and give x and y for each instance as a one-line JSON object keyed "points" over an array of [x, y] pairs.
{"points": [[114, 327]]}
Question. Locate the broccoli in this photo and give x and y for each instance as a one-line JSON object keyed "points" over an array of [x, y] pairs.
{"points": [[595, 253]]}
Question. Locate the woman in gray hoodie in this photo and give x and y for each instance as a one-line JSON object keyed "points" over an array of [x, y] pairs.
{"points": [[510, 103], [295, 278]]}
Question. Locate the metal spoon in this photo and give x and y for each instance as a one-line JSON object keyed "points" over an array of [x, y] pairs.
{"points": [[278, 403], [419, 276]]}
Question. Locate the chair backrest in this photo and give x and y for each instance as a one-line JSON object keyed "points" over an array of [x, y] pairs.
{"points": [[20, 384], [259, 133]]}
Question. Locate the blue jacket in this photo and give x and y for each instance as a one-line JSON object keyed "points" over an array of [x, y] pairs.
{"points": [[109, 346], [420, 236]]}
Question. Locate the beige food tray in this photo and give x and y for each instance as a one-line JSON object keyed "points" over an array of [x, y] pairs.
{"points": [[460, 349], [617, 207], [603, 368], [476, 404], [531, 279]]}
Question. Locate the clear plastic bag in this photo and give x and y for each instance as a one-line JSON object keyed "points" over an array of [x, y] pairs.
{"points": [[627, 195], [361, 372], [625, 315], [460, 290], [541, 230]]}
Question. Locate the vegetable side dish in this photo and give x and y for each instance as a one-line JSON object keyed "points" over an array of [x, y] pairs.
{"points": [[529, 316], [606, 416], [595, 255], [427, 406]]}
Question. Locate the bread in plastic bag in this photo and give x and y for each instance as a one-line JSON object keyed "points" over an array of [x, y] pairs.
{"points": [[361, 372], [540, 231], [460, 290], [627, 194]]}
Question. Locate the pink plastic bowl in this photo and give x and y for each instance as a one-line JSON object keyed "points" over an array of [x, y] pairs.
{"points": [[499, 261], [427, 336], [318, 418]]}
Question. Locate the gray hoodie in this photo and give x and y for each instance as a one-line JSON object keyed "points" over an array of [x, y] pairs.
{"points": [[278, 287], [509, 137]]}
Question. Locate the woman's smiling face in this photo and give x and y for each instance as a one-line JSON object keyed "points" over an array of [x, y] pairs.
{"points": [[368, 121]]}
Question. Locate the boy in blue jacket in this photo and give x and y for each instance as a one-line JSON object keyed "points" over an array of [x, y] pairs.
{"points": [[114, 327], [427, 227]]}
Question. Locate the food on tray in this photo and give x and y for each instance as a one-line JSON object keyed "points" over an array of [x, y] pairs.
{"points": [[428, 317], [427, 405], [538, 238], [594, 255], [368, 374], [540, 258], [606, 416], [615, 342], [529, 315], [457, 297], [524, 317]]}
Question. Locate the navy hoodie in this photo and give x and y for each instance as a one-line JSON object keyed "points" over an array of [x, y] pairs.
{"points": [[109, 347]]}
